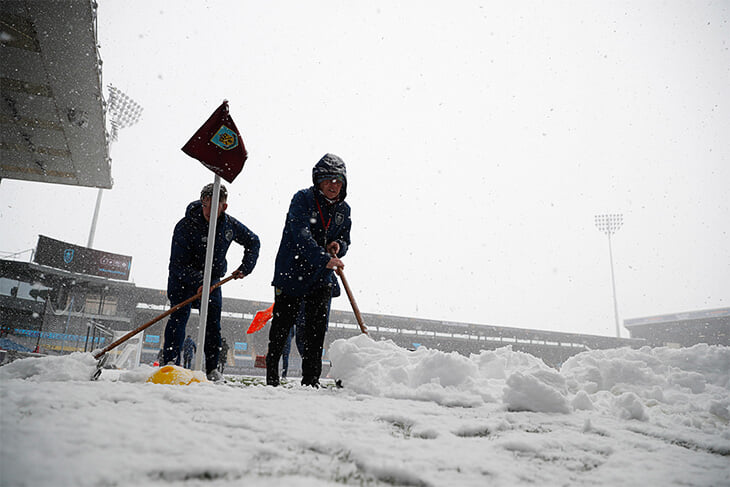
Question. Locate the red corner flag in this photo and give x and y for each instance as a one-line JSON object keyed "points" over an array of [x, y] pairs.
{"points": [[218, 145]]}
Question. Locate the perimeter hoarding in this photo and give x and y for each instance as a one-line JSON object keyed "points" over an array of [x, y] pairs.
{"points": [[82, 260]]}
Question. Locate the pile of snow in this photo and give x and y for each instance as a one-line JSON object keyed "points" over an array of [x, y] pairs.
{"points": [[424, 417], [624, 382], [77, 366]]}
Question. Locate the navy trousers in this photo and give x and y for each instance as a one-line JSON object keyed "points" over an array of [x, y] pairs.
{"points": [[177, 322], [316, 316]]}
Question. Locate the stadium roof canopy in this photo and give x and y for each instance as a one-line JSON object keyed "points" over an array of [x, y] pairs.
{"points": [[722, 314], [52, 112], [711, 326]]}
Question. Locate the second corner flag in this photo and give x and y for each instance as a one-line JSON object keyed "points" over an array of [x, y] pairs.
{"points": [[218, 145]]}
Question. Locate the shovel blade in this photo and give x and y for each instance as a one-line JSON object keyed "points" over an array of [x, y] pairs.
{"points": [[176, 375], [261, 318]]}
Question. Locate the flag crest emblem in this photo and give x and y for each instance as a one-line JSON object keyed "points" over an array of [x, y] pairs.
{"points": [[225, 138], [218, 145]]}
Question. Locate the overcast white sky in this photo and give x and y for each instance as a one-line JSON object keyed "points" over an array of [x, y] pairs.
{"points": [[481, 138]]}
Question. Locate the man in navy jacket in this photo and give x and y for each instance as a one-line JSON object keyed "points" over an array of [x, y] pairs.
{"points": [[187, 266], [316, 234]]}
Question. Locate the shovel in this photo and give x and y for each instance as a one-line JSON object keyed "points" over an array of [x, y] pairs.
{"points": [[261, 318], [351, 297], [101, 353]]}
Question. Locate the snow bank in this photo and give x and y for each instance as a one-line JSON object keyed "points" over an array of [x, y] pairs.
{"points": [[76, 366], [691, 383], [382, 368], [645, 384], [626, 383]]}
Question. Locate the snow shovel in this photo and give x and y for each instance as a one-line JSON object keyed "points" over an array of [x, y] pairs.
{"points": [[177, 376], [101, 354], [261, 318]]}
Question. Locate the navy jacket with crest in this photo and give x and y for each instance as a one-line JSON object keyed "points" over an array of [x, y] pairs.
{"points": [[302, 259], [187, 257]]}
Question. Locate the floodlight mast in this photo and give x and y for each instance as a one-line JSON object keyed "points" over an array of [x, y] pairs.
{"points": [[123, 112], [610, 224]]}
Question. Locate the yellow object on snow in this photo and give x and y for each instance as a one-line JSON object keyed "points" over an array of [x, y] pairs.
{"points": [[176, 375]]}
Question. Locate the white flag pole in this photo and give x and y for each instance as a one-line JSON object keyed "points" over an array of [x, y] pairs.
{"points": [[198, 365]]}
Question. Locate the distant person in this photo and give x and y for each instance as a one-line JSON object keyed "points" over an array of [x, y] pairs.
{"points": [[189, 350], [224, 356], [286, 351], [316, 234], [294, 332], [187, 266]]}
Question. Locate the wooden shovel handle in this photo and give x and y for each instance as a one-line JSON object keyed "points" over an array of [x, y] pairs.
{"points": [[129, 335], [351, 297]]}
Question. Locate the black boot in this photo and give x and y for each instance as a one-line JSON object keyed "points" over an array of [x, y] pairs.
{"points": [[310, 381], [272, 372]]}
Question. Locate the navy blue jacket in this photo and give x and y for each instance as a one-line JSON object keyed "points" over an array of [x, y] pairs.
{"points": [[301, 263], [187, 257]]}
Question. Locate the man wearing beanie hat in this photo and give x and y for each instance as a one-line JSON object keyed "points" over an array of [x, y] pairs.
{"points": [[316, 235], [187, 265]]}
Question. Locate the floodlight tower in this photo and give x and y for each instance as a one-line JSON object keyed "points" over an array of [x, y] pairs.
{"points": [[610, 224], [123, 112]]}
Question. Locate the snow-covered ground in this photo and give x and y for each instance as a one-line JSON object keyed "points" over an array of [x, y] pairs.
{"points": [[649, 417]]}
